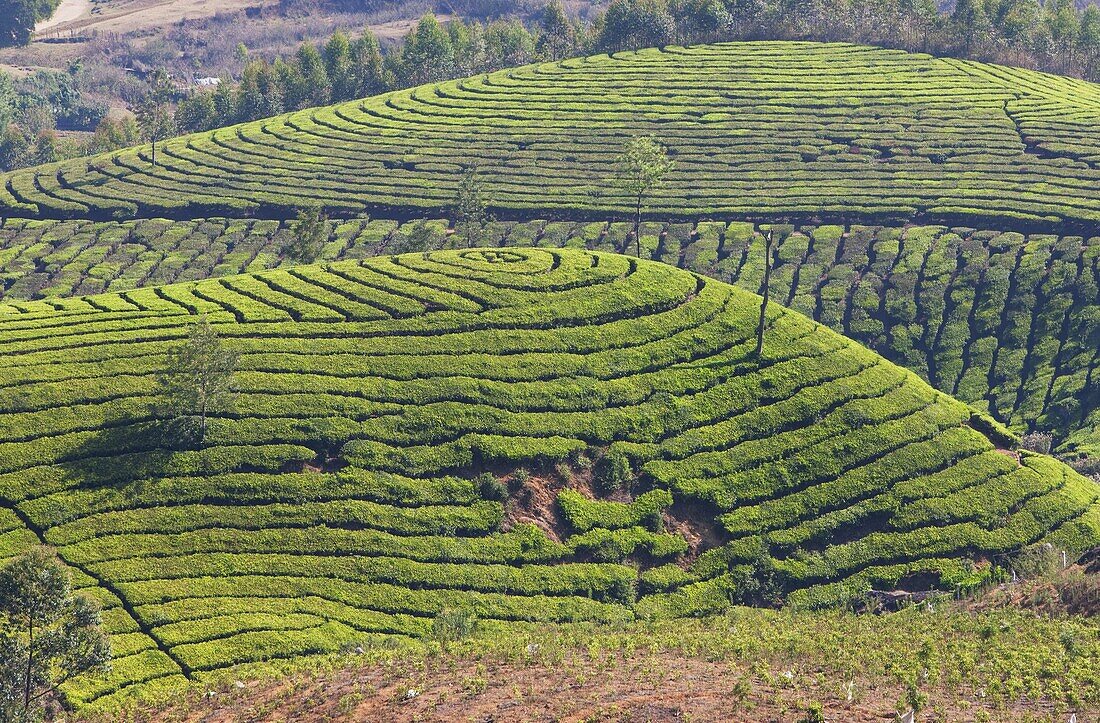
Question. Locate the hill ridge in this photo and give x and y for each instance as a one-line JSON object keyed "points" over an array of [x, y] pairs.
{"points": [[860, 138]]}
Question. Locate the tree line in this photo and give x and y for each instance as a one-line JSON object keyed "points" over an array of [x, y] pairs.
{"points": [[345, 69], [1051, 36], [35, 107]]}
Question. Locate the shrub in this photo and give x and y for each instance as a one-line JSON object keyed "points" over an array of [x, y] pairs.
{"points": [[1038, 442], [623, 591], [519, 479], [1037, 561], [759, 582], [453, 624], [490, 487], [612, 472]]}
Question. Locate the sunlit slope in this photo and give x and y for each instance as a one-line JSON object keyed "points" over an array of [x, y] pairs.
{"points": [[338, 504], [1003, 321], [757, 129]]}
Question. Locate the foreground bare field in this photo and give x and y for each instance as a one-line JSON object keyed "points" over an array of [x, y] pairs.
{"points": [[655, 687]]}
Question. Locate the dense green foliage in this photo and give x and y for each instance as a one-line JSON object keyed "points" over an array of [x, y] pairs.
{"points": [[758, 129], [18, 18], [31, 108], [340, 500], [48, 636], [1007, 322]]}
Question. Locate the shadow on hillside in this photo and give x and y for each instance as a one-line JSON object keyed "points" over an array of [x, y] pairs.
{"points": [[129, 454]]}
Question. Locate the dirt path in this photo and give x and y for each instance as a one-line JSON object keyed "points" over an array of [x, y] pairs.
{"points": [[67, 11], [124, 16]]}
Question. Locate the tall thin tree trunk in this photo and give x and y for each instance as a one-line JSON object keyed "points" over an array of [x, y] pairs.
{"points": [[766, 293], [30, 667], [638, 227]]}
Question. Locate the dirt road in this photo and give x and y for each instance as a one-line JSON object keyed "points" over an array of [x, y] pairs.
{"points": [[67, 11]]}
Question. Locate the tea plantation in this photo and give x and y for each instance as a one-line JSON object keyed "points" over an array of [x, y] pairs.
{"points": [[757, 129], [343, 501], [1006, 322]]}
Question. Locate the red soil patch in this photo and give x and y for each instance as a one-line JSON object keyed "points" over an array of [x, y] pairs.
{"points": [[695, 523], [535, 502]]}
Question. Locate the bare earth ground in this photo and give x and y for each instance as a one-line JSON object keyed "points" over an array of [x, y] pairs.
{"points": [[646, 687], [64, 37], [642, 678], [67, 11], [123, 16]]}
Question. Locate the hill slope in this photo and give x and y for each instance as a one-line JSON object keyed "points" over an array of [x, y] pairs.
{"points": [[757, 128], [1006, 322], [339, 503]]}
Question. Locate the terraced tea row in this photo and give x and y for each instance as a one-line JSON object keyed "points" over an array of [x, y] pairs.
{"points": [[757, 129], [1006, 322], [40, 259], [340, 504]]}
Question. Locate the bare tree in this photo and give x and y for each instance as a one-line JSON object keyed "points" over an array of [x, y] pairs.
{"points": [[765, 292]]}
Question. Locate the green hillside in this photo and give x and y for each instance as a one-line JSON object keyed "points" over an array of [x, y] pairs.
{"points": [[757, 129], [1006, 322], [343, 502]]}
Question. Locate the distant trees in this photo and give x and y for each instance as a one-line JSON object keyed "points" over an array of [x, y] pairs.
{"points": [[557, 35], [33, 107], [1046, 35], [641, 168], [198, 379], [428, 54], [18, 18], [971, 22], [471, 210], [261, 93], [345, 69], [48, 635], [634, 24], [308, 235], [1088, 40], [340, 78]]}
